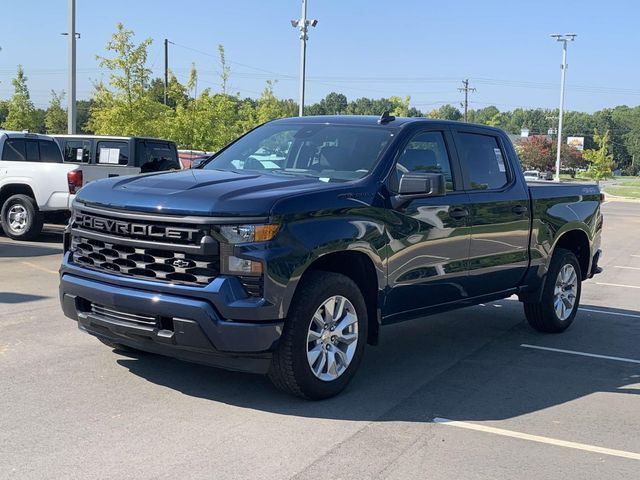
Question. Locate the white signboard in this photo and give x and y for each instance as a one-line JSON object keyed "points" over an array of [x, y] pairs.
{"points": [[576, 142], [109, 155]]}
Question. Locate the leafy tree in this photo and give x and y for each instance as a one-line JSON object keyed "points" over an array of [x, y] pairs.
{"points": [[128, 108], [4, 110], [446, 112], [225, 70], [55, 119], [21, 114], [600, 160], [539, 152]]}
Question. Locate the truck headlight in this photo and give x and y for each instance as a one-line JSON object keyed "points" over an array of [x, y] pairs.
{"points": [[236, 234]]}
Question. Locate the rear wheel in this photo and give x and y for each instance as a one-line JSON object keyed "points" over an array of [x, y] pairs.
{"points": [[21, 219], [323, 339], [558, 306]]}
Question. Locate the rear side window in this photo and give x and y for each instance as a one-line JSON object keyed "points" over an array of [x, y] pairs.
{"points": [[14, 150], [50, 152], [426, 152], [482, 159], [113, 153], [157, 155], [77, 151]]}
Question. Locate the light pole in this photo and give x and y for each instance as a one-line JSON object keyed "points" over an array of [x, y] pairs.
{"points": [[73, 36], [567, 37], [303, 25]]}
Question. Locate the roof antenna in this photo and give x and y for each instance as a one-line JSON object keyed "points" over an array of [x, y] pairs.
{"points": [[385, 118]]}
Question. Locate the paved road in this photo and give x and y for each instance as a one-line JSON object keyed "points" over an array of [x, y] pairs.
{"points": [[72, 408]]}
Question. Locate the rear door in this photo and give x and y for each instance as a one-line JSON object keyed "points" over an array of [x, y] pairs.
{"points": [[112, 158], [499, 217], [428, 237]]}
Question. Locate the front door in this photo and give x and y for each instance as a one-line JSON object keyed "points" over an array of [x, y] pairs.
{"points": [[428, 242]]}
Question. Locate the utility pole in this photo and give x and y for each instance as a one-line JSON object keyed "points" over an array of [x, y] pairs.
{"points": [[71, 110], [166, 69], [303, 25], [466, 91], [568, 37]]}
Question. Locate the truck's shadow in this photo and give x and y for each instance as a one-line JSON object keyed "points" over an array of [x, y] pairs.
{"points": [[466, 365]]}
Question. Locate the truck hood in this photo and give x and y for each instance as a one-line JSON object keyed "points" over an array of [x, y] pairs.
{"points": [[198, 192]]}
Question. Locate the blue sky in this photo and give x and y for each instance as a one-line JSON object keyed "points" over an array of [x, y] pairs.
{"points": [[367, 48]]}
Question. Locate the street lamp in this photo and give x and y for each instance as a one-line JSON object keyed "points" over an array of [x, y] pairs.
{"points": [[303, 25], [564, 38]]}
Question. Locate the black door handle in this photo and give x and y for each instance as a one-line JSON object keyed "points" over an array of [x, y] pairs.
{"points": [[519, 210], [458, 213]]}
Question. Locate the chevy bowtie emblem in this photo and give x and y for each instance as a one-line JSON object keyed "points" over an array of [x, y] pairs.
{"points": [[180, 263]]}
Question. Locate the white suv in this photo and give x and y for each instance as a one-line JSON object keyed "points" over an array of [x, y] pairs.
{"points": [[34, 182]]}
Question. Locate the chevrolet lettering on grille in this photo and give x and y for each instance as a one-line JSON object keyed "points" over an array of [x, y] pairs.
{"points": [[120, 227]]}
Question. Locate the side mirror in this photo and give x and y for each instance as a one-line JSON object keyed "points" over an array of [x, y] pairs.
{"points": [[197, 163], [419, 185]]}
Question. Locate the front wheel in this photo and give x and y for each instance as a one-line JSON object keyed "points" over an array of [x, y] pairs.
{"points": [[557, 308], [323, 339]]}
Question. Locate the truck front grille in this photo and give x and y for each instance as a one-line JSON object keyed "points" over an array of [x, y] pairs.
{"points": [[146, 263]]}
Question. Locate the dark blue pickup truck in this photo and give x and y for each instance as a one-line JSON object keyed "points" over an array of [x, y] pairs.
{"points": [[288, 250]]}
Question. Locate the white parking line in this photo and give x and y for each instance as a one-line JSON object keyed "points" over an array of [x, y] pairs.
{"points": [[609, 313], [629, 268], [638, 256], [38, 267], [537, 438], [617, 285], [582, 354]]}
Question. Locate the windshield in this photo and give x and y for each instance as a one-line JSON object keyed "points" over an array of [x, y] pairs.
{"points": [[327, 152]]}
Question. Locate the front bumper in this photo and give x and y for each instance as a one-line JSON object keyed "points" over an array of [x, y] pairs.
{"points": [[186, 328]]}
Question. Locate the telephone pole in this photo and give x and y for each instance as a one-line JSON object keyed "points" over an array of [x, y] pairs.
{"points": [[303, 25], [466, 89], [166, 69], [71, 111]]}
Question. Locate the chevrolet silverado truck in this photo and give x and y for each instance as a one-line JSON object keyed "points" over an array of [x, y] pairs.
{"points": [[288, 250], [34, 184]]}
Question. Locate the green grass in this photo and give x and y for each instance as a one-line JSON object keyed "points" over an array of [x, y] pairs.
{"points": [[632, 191]]}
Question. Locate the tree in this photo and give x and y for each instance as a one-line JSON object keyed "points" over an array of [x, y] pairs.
{"points": [[600, 160], [128, 108], [225, 70], [536, 153], [446, 112], [55, 119], [21, 114]]}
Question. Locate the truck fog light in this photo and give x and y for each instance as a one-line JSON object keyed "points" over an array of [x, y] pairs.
{"points": [[244, 267]]}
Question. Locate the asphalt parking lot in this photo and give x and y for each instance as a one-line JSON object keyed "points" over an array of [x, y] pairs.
{"points": [[472, 394]]}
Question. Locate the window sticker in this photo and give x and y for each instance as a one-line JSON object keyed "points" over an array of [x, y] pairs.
{"points": [[499, 159], [109, 155], [79, 153]]}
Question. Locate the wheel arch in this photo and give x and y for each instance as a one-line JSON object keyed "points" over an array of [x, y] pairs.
{"points": [[576, 241], [360, 268], [11, 189]]}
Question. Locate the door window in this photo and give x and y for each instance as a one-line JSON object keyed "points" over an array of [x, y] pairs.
{"points": [[482, 159], [426, 152]]}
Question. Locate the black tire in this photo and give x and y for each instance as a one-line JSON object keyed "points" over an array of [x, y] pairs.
{"points": [[542, 315], [290, 371], [167, 165], [33, 218]]}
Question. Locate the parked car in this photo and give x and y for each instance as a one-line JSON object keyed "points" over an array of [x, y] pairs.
{"points": [[191, 158], [531, 175], [103, 157], [34, 183], [291, 270]]}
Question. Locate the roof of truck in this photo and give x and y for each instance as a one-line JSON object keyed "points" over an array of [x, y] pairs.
{"points": [[18, 134], [374, 120]]}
